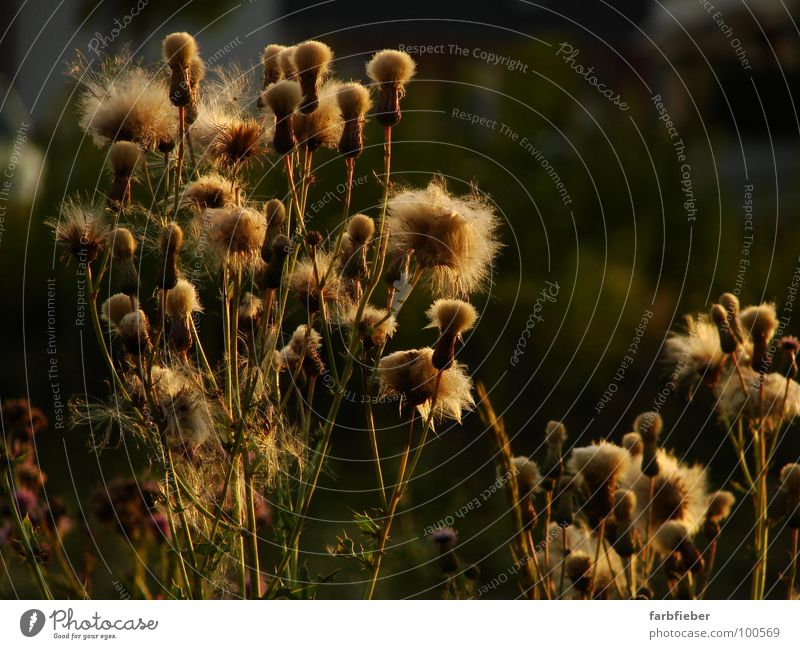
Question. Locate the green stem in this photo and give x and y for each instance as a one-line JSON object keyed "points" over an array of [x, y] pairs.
{"points": [[397, 494]]}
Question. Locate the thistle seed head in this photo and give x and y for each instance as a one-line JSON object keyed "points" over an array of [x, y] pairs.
{"points": [[270, 61], [210, 190], [528, 475], [312, 60], [452, 237], [179, 49]]}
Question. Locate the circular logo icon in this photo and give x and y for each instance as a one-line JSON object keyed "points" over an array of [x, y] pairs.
{"points": [[31, 622]]}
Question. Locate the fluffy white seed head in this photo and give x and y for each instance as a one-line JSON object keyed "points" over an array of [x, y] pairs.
{"points": [[391, 67], [179, 49], [452, 316], [182, 300], [412, 376], [117, 307], [452, 237], [124, 158]]}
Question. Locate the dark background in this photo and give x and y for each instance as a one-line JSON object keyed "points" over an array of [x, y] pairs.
{"points": [[622, 247]]}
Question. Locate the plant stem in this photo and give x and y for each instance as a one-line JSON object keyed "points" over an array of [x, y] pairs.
{"points": [[252, 531], [397, 494], [179, 165], [373, 438]]}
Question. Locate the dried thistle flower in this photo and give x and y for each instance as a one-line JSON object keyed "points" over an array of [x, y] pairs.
{"points": [[412, 376], [250, 307], [210, 190], [445, 538], [730, 303], [354, 103], [454, 237], [728, 341], [375, 327], [181, 302], [125, 102], [771, 395], [301, 355], [760, 323], [286, 63], [123, 161], [123, 248], [784, 361], [236, 234], [790, 492], [188, 418], [578, 567], [196, 73], [555, 434], [360, 229], [80, 230], [673, 538], [321, 127], [270, 61], [117, 307], [452, 318], [720, 504], [528, 475], [599, 468], [312, 60], [275, 212], [134, 333], [304, 281], [391, 70], [237, 144], [626, 540], [680, 493], [695, 355], [283, 98], [272, 274], [632, 442], [180, 49]]}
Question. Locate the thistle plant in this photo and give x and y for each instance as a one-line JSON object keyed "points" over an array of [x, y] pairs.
{"points": [[233, 331], [185, 257]]}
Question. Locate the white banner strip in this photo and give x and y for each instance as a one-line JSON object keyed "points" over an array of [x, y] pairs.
{"points": [[333, 624]]}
